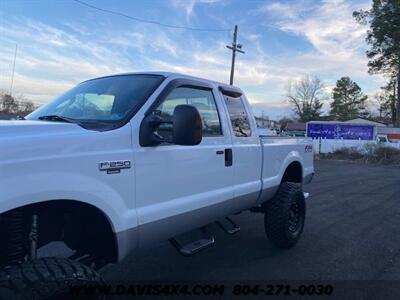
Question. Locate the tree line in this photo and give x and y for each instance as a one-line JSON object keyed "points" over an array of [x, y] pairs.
{"points": [[348, 101], [15, 105]]}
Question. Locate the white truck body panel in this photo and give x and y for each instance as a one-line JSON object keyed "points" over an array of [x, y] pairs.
{"points": [[279, 153], [169, 188], [43, 161]]}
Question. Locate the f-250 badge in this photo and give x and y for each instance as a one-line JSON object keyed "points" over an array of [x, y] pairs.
{"points": [[113, 167]]}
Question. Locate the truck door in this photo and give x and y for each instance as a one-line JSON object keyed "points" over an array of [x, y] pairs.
{"points": [[179, 188], [246, 153]]}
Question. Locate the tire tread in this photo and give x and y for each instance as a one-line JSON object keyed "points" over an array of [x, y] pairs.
{"points": [[18, 281], [276, 216]]}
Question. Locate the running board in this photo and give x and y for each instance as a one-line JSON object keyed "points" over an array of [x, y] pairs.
{"points": [[228, 226], [88, 260], [189, 248]]}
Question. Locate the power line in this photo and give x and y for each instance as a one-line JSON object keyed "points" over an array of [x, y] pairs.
{"points": [[147, 21]]}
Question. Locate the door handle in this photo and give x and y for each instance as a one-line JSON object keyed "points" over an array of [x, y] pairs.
{"points": [[228, 157], [220, 152]]}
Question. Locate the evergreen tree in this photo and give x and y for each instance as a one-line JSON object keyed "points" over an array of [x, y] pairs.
{"points": [[348, 100], [389, 104], [384, 39], [384, 107]]}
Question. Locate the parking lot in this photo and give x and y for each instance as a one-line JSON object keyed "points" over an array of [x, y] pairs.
{"points": [[352, 231]]}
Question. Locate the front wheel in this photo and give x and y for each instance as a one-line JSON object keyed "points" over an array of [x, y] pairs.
{"points": [[285, 215], [45, 278]]}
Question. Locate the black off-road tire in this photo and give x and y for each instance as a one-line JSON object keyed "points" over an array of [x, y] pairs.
{"points": [[45, 278], [282, 211]]}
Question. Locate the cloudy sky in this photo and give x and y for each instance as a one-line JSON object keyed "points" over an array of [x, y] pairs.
{"points": [[62, 42]]}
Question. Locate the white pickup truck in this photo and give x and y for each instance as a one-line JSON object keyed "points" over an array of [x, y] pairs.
{"points": [[122, 161]]}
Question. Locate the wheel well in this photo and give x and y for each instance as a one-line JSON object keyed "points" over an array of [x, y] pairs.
{"points": [[293, 173], [82, 227]]}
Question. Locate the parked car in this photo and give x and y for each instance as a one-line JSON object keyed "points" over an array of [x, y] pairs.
{"points": [[382, 138], [267, 132]]}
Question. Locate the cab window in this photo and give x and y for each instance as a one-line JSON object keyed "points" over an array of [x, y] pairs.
{"points": [[202, 99], [238, 116]]}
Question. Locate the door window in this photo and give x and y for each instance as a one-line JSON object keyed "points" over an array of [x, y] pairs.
{"points": [[238, 115], [203, 100]]}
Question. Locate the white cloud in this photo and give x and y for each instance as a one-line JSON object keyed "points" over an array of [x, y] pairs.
{"points": [[35, 89], [52, 52], [143, 40], [282, 10], [189, 5], [337, 39], [253, 37], [45, 70], [52, 59], [274, 109]]}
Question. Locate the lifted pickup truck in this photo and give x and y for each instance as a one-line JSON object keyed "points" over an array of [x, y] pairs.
{"points": [[122, 161]]}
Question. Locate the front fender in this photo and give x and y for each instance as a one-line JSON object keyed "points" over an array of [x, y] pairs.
{"points": [[39, 187]]}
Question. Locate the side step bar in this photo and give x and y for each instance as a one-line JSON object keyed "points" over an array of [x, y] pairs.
{"points": [[207, 240], [228, 226], [194, 241]]}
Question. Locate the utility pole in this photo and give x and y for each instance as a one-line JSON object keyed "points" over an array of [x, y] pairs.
{"points": [[13, 69], [393, 105], [235, 48], [397, 97]]}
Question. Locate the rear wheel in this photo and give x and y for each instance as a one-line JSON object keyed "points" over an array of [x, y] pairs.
{"points": [[285, 215], [45, 278]]}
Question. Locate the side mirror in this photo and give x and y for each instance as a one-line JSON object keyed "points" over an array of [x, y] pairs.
{"points": [[187, 125], [186, 128], [148, 136]]}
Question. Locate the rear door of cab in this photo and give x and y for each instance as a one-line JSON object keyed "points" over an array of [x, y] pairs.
{"points": [[246, 151]]}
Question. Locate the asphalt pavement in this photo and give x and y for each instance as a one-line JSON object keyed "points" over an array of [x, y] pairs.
{"points": [[352, 232]]}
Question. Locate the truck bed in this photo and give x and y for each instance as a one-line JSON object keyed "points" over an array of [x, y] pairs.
{"points": [[278, 153]]}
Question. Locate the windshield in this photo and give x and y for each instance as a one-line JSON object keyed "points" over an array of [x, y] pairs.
{"points": [[108, 99]]}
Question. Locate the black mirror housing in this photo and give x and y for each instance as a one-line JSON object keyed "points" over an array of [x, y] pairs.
{"points": [[187, 125], [148, 127], [187, 128]]}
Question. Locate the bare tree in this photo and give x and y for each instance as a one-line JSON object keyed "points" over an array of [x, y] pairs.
{"points": [[26, 107], [8, 104], [306, 96], [15, 104], [284, 122]]}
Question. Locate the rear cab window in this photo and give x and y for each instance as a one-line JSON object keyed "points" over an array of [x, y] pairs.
{"points": [[238, 116]]}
